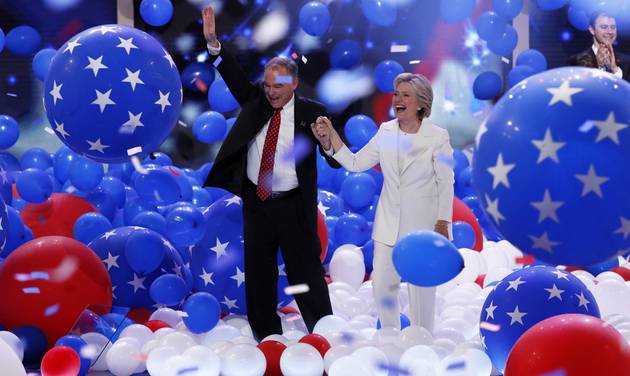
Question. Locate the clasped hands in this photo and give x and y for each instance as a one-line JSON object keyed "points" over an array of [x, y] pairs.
{"points": [[606, 57], [323, 131]]}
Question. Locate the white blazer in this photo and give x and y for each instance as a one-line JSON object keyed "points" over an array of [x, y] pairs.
{"points": [[418, 178]]}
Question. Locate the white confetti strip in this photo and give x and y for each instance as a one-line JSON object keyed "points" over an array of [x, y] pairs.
{"points": [[297, 289], [398, 48]]}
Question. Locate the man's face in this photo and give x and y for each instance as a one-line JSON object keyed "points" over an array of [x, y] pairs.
{"points": [[279, 86], [605, 30]]}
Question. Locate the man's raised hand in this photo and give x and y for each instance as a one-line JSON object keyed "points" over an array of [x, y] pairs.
{"points": [[209, 31]]}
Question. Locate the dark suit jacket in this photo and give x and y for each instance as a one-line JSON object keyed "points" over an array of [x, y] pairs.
{"points": [[229, 170], [587, 59]]}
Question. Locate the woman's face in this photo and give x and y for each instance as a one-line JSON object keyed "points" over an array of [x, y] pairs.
{"points": [[405, 102]]}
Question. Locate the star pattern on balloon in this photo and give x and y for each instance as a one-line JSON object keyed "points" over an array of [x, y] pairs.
{"points": [[95, 77], [548, 166]]}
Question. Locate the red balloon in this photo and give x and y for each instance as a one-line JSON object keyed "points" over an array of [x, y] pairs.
{"points": [[139, 315], [56, 216], [61, 361], [48, 282], [322, 231], [154, 325], [288, 310], [461, 212], [623, 272], [273, 351], [576, 344], [318, 342]]}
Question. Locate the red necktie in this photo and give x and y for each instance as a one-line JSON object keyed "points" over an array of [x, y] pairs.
{"points": [[265, 174]]}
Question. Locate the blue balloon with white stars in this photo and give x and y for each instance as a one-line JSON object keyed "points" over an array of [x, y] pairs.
{"points": [[132, 286], [110, 89], [549, 166], [217, 259], [523, 299]]}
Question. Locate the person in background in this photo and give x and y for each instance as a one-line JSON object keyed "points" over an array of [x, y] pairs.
{"points": [[279, 193], [602, 55], [417, 189]]}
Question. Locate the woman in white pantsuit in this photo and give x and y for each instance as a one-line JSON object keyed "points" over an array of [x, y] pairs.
{"points": [[417, 189]]}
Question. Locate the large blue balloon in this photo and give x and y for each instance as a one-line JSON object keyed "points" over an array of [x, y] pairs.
{"points": [[333, 204], [23, 40], [578, 17], [551, 4], [426, 258], [548, 168], [487, 85], [209, 127], [489, 24], [532, 58], [1, 40], [346, 54], [168, 289], [198, 76], [9, 131], [314, 18], [503, 44], [385, 73], [359, 130], [202, 312], [378, 12], [352, 229], [41, 62], [121, 82], [34, 341], [156, 12], [220, 97], [508, 8], [523, 299], [34, 185], [358, 190], [455, 11]]}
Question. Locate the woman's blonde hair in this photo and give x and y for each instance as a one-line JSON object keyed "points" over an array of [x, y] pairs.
{"points": [[422, 88]]}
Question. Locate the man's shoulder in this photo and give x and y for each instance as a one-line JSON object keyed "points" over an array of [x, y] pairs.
{"points": [[315, 105], [582, 57]]}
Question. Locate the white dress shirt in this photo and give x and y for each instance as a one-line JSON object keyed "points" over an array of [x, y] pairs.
{"points": [[284, 176], [618, 72]]}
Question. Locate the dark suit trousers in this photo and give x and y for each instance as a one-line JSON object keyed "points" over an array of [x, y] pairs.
{"points": [[269, 224]]}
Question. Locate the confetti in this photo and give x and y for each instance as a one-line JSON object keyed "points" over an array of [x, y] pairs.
{"points": [[505, 60], [398, 48], [31, 290], [393, 369], [182, 314], [284, 79], [297, 289], [414, 61], [457, 365], [51, 310], [587, 126], [217, 62], [294, 56], [135, 161], [187, 370], [12, 94], [304, 59], [489, 326], [526, 260], [133, 151], [49, 130], [182, 124]]}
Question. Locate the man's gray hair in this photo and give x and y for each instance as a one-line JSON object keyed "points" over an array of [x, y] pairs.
{"points": [[281, 61], [422, 88]]}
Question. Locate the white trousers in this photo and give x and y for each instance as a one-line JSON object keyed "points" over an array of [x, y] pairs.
{"points": [[386, 284]]}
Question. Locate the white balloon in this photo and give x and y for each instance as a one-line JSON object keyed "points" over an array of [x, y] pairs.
{"points": [[335, 353], [221, 333], [349, 247], [99, 345], [464, 327], [612, 297], [495, 274], [450, 333], [208, 363], [609, 275], [471, 266], [236, 321], [386, 335], [476, 363], [420, 352], [157, 359], [243, 360], [149, 346], [14, 343], [330, 324], [179, 340], [276, 337], [444, 346], [220, 346], [348, 267], [158, 334], [334, 286], [168, 315], [137, 331], [123, 358], [301, 359], [11, 365], [373, 358], [414, 335], [392, 352], [348, 366], [348, 337]]}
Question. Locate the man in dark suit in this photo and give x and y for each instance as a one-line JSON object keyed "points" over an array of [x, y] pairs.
{"points": [[601, 55], [261, 161]]}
